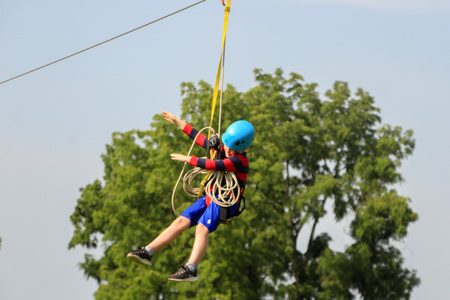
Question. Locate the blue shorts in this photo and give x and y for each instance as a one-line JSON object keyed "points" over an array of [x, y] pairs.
{"points": [[207, 215]]}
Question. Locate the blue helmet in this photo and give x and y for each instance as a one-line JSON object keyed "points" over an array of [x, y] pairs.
{"points": [[239, 135]]}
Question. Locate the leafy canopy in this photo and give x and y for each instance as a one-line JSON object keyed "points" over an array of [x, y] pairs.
{"points": [[311, 158]]}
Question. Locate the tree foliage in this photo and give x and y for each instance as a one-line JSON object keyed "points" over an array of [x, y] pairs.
{"points": [[311, 159]]}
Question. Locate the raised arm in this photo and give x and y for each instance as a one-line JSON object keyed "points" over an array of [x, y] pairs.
{"points": [[189, 130]]}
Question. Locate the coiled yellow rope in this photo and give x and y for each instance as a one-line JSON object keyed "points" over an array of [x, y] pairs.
{"points": [[184, 167], [224, 196]]}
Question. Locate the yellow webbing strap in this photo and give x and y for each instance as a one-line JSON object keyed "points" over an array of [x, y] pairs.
{"points": [[203, 183], [216, 87]]}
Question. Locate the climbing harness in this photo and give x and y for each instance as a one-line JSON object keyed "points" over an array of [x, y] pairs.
{"points": [[222, 187], [224, 195]]}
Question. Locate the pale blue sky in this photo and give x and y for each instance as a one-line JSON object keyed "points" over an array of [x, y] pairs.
{"points": [[54, 123]]}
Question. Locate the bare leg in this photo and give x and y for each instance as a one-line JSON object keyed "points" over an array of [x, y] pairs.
{"points": [[170, 233], [200, 244]]}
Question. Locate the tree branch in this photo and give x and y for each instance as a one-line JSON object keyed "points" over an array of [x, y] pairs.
{"points": [[316, 221]]}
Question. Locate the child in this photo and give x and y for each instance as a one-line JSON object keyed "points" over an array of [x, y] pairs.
{"points": [[204, 212]]}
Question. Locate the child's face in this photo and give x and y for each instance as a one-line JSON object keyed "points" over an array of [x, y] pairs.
{"points": [[228, 152]]}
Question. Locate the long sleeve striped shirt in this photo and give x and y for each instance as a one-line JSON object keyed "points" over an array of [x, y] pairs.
{"points": [[237, 163]]}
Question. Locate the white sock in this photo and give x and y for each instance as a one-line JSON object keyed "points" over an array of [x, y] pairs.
{"points": [[149, 250]]}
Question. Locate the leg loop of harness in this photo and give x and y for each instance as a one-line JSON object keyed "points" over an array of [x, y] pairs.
{"points": [[225, 216]]}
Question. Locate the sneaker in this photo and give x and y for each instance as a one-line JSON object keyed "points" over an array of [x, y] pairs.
{"points": [[185, 274], [140, 256]]}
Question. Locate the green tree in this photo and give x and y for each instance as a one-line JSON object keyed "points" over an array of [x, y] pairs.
{"points": [[311, 159]]}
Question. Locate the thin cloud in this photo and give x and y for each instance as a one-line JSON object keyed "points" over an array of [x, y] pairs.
{"points": [[394, 5]]}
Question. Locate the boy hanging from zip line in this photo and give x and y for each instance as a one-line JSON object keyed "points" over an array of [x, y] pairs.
{"points": [[204, 213]]}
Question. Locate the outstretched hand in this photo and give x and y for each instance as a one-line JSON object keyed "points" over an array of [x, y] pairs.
{"points": [[173, 119], [180, 157], [169, 117]]}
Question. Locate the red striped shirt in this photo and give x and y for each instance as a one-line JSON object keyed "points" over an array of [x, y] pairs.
{"points": [[237, 163]]}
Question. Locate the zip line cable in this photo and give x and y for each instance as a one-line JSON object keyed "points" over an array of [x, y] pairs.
{"points": [[104, 42]]}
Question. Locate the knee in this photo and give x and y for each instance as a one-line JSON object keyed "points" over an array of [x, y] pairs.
{"points": [[181, 223], [201, 229]]}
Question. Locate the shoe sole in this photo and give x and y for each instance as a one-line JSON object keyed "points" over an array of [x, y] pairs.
{"points": [[186, 279], [139, 260]]}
